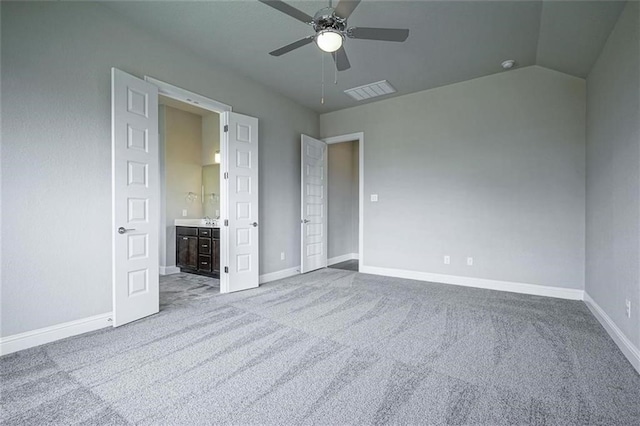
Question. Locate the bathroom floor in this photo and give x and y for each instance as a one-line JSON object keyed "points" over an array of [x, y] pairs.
{"points": [[177, 289], [349, 265]]}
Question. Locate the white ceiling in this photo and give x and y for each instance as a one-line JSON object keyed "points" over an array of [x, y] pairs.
{"points": [[449, 41]]}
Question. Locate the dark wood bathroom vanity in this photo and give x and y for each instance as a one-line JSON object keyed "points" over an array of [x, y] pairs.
{"points": [[198, 250]]}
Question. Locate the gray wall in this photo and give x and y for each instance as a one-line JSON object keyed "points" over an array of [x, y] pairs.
{"points": [[613, 176], [56, 154], [343, 199], [492, 168]]}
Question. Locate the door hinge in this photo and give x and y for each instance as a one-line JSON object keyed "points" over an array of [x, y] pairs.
{"points": [[226, 175], [226, 269], [226, 127], [226, 222]]}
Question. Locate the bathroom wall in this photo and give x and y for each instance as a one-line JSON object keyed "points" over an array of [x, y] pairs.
{"points": [[210, 137], [183, 171], [211, 170]]}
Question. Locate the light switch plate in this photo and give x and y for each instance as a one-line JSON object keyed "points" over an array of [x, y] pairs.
{"points": [[374, 198]]}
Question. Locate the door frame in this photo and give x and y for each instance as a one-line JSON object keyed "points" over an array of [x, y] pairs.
{"points": [[191, 98], [359, 136]]}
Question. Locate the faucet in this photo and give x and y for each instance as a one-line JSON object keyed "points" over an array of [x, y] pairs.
{"points": [[208, 220]]}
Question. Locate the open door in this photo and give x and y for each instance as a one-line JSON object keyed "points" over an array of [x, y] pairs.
{"points": [[239, 208], [136, 197], [314, 205]]}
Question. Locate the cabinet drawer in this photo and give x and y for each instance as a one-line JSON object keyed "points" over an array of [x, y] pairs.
{"points": [[187, 231], [204, 263], [204, 232], [204, 245]]}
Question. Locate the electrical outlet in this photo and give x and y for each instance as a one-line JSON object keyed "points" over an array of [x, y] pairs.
{"points": [[628, 308], [281, 255], [374, 198], [184, 212], [469, 261], [447, 260]]}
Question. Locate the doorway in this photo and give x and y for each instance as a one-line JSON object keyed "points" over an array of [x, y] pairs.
{"points": [[189, 139], [239, 189], [343, 205], [332, 230]]}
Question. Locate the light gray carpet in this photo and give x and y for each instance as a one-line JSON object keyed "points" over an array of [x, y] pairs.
{"points": [[331, 347]]}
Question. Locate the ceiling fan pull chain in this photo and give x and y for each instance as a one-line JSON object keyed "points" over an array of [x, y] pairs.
{"points": [[322, 97], [335, 79]]}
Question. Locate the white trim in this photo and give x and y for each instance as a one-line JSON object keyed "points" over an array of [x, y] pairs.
{"points": [[169, 270], [343, 258], [628, 349], [183, 95], [278, 275], [38, 337], [359, 136], [514, 287]]}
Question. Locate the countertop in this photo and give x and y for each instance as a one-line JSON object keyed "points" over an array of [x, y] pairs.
{"points": [[196, 223]]}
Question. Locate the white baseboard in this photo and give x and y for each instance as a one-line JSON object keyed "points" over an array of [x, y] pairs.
{"points": [[343, 258], [168, 270], [278, 275], [628, 349], [514, 287], [38, 337]]}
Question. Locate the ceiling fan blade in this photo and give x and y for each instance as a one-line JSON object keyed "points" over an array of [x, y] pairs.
{"points": [[289, 10], [346, 7], [341, 59], [385, 34], [289, 47]]}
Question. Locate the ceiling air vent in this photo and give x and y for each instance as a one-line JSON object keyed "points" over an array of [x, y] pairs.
{"points": [[372, 90]]}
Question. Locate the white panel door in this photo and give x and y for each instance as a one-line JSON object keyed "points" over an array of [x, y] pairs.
{"points": [[314, 205], [136, 197], [240, 236]]}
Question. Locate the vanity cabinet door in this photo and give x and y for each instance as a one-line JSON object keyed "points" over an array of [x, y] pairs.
{"points": [[187, 252]]}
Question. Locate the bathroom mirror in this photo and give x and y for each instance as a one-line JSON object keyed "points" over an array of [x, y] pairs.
{"points": [[211, 190]]}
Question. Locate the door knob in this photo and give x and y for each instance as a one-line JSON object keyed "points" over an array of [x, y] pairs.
{"points": [[122, 230], [254, 224], [305, 221]]}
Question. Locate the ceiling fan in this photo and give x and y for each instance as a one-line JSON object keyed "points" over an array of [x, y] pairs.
{"points": [[330, 26]]}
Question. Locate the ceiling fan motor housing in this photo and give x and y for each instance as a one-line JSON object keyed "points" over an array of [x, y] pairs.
{"points": [[326, 19]]}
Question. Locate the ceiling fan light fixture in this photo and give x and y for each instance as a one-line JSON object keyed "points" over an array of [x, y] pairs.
{"points": [[329, 40]]}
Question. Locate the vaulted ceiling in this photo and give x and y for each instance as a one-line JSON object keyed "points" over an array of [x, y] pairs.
{"points": [[449, 41]]}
